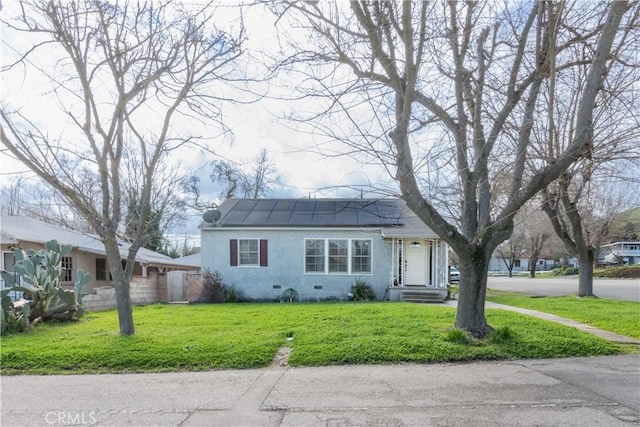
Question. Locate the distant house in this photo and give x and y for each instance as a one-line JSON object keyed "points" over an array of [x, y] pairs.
{"points": [[321, 247], [621, 253], [88, 254], [498, 264]]}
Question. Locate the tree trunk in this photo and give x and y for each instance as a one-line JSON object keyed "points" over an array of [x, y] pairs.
{"points": [[472, 292], [585, 273], [125, 312], [121, 282], [532, 267]]}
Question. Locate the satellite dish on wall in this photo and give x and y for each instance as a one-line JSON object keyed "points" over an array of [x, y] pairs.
{"points": [[211, 216]]}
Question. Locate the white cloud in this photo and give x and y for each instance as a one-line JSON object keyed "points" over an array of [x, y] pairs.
{"points": [[306, 172]]}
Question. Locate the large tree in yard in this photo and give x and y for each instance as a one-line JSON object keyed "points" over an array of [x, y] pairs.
{"points": [[445, 96], [117, 77], [583, 202]]}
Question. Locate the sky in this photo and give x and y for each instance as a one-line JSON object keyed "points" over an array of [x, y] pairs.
{"points": [[304, 172]]}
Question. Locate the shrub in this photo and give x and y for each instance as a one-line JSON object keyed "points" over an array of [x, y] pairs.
{"points": [[231, 294], [213, 288], [362, 291], [564, 271]]}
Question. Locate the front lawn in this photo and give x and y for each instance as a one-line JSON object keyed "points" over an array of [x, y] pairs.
{"points": [[204, 337], [621, 317], [626, 272]]}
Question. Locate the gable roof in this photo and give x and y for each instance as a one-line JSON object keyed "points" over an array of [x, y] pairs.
{"points": [[16, 229], [391, 215]]}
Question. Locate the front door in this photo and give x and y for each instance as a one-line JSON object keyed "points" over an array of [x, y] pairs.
{"points": [[415, 271]]}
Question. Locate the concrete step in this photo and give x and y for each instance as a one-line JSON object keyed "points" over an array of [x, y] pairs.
{"points": [[421, 297]]}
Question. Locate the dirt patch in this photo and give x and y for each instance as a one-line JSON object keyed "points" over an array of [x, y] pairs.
{"points": [[281, 359]]}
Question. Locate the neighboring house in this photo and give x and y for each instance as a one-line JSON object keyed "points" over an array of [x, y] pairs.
{"points": [[321, 247], [192, 260], [621, 253], [88, 254], [497, 264]]}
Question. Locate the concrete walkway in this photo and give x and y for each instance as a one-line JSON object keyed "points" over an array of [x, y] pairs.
{"points": [[607, 335], [610, 336]]}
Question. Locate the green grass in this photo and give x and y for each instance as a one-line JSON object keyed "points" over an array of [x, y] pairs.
{"points": [[621, 317], [627, 272], [205, 337]]}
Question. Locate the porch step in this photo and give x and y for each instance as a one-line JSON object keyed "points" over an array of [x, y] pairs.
{"points": [[421, 296]]}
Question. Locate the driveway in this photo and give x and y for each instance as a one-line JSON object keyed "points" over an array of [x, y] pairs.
{"points": [[546, 392], [622, 289]]}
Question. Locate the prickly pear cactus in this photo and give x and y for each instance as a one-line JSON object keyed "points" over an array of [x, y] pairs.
{"points": [[40, 273]]}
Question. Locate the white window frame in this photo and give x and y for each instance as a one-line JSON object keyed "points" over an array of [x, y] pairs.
{"points": [[66, 264], [324, 256], [350, 254], [257, 252], [328, 257]]}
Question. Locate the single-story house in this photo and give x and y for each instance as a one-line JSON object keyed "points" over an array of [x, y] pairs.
{"points": [[497, 264], [88, 254], [621, 253], [321, 247]]}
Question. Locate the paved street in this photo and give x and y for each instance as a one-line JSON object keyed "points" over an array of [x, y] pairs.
{"points": [[623, 289], [549, 392]]}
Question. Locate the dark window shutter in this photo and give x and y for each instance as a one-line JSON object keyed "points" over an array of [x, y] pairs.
{"points": [[233, 252], [263, 253]]}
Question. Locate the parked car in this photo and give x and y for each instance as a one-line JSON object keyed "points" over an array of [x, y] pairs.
{"points": [[454, 275]]}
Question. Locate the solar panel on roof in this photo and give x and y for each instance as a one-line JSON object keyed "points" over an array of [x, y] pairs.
{"points": [[256, 218], [325, 206], [368, 218], [234, 218], [312, 212], [327, 219], [304, 206], [244, 205], [264, 205], [279, 218], [285, 205], [301, 218], [346, 217]]}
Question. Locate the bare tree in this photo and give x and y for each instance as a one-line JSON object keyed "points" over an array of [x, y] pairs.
{"points": [[29, 196], [626, 224], [533, 225], [536, 245], [12, 196], [252, 182], [122, 73], [433, 92], [167, 207], [581, 203], [511, 251], [583, 214]]}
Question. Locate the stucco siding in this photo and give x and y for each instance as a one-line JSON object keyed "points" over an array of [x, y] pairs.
{"points": [[87, 263], [286, 264]]}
